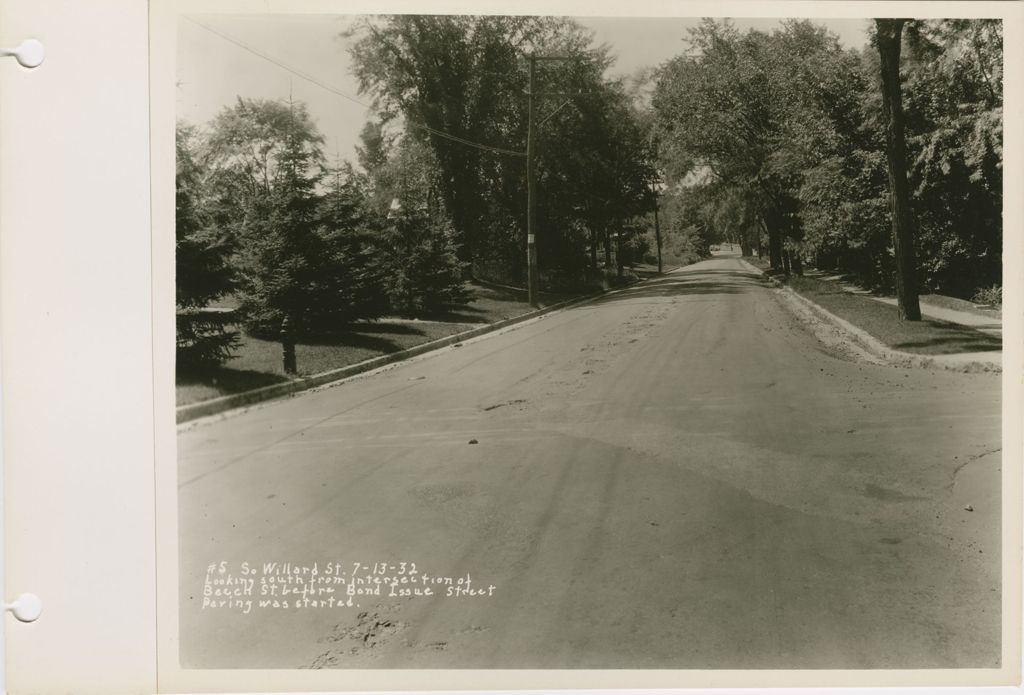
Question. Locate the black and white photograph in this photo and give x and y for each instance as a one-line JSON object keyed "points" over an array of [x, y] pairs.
{"points": [[517, 341]]}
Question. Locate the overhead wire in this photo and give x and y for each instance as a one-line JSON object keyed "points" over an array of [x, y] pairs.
{"points": [[333, 90]]}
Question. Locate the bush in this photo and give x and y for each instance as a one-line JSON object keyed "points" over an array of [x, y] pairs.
{"points": [[204, 339], [992, 296], [202, 266]]}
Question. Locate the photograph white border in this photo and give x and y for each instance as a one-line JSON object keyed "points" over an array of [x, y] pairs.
{"points": [[173, 678]]}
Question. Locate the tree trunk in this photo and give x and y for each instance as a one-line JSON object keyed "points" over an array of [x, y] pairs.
{"points": [[593, 249], [889, 38], [607, 249], [657, 230], [618, 254], [785, 262], [288, 345], [796, 262], [775, 246]]}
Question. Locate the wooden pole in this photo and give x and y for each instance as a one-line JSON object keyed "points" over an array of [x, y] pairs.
{"points": [[657, 228], [531, 192]]}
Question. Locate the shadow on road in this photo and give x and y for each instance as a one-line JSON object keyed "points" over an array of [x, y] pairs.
{"points": [[697, 281]]}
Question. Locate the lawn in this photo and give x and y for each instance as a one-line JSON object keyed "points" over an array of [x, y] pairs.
{"points": [[926, 337], [259, 363], [936, 300], [961, 305], [760, 262]]}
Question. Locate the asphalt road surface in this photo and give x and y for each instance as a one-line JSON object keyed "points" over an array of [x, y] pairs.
{"points": [[675, 476]]}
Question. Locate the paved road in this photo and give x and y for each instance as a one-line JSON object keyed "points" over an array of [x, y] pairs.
{"points": [[676, 476]]}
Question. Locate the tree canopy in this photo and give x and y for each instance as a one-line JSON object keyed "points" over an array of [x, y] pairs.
{"points": [[791, 123], [459, 85]]}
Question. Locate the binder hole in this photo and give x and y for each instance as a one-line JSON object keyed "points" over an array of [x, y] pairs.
{"points": [[26, 608], [29, 53]]}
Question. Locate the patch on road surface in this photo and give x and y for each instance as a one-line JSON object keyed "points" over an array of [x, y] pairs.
{"points": [[372, 631], [440, 495], [886, 495], [517, 401]]}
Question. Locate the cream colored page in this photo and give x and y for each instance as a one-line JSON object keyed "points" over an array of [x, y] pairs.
{"points": [[76, 329], [174, 677], [88, 368]]}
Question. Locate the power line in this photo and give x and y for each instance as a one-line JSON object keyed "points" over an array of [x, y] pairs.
{"points": [[337, 92], [278, 63]]}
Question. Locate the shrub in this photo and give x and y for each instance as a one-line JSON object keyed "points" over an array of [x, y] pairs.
{"points": [[992, 296], [204, 340]]}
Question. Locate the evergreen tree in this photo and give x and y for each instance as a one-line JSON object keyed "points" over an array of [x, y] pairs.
{"points": [[202, 255], [423, 273], [419, 250], [352, 242], [284, 260]]}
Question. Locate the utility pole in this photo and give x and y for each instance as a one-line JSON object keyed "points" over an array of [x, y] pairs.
{"points": [[531, 191], [531, 178], [618, 253], [657, 228]]}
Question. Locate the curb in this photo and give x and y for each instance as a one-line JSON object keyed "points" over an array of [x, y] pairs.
{"points": [[872, 345], [214, 406]]}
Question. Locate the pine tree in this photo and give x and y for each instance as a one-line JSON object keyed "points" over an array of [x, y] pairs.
{"points": [[356, 282], [419, 249], [202, 266], [285, 262]]}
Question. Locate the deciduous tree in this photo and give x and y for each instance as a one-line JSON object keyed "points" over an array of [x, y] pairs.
{"points": [[889, 39]]}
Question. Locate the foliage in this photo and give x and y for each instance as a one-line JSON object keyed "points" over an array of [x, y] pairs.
{"points": [[303, 248], [738, 109], [953, 92], [450, 75], [461, 79], [595, 170], [202, 263], [788, 125], [689, 225], [376, 145], [283, 257], [991, 296], [423, 271], [204, 340], [355, 278], [420, 269]]}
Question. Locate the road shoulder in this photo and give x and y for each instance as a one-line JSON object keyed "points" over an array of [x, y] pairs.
{"points": [[844, 336]]}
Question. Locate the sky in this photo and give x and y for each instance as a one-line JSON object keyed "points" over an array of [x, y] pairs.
{"points": [[222, 57]]}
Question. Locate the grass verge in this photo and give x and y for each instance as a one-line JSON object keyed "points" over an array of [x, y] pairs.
{"points": [[961, 305], [935, 300], [926, 337], [761, 263], [258, 363]]}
